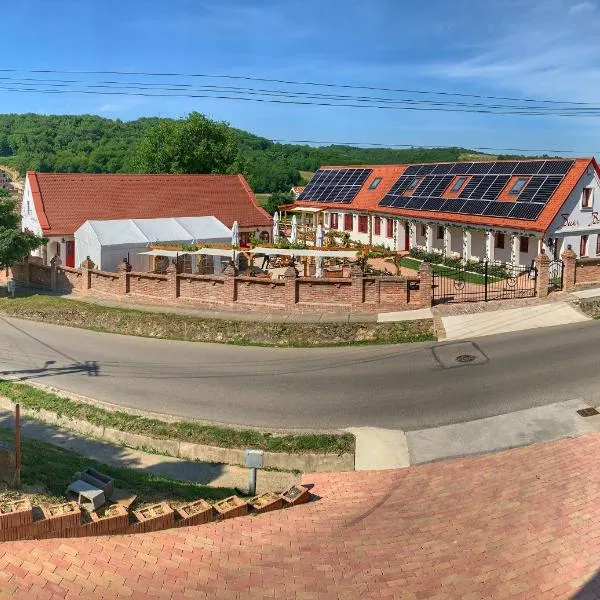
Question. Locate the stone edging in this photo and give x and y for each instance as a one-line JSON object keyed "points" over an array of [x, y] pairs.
{"points": [[311, 463]]}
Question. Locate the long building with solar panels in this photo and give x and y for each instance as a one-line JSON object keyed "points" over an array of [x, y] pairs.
{"points": [[506, 211]]}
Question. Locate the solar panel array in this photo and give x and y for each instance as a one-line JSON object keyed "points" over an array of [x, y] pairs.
{"points": [[335, 185], [480, 195]]}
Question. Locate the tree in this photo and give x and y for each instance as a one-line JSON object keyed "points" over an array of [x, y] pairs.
{"points": [[192, 145], [14, 244], [276, 200]]}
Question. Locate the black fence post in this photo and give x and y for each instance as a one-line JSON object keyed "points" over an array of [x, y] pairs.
{"points": [[486, 280]]}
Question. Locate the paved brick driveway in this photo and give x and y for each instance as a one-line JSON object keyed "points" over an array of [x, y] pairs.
{"points": [[518, 524]]}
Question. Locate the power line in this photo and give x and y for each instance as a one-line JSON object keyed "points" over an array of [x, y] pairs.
{"points": [[565, 112], [290, 82], [149, 86]]}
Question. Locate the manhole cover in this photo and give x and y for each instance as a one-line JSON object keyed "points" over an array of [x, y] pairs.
{"points": [[465, 358], [588, 412]]}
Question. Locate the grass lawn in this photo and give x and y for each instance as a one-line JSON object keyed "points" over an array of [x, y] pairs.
{"points": [[86, 315], [468, 277], [188, 431], [46, 471]]}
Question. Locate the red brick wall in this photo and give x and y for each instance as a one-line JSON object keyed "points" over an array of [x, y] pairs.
{"points": [[334, 293], [147, 284], [587, 270], [68, 280], [207, 290], [39, 275], [375, 294], [104, 282], [262, 293]]}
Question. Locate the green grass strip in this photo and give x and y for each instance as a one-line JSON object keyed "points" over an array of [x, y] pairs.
{"points": [[185, 431]]}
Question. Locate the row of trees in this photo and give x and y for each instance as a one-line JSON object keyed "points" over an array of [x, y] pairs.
{"points": [[92, 144]]}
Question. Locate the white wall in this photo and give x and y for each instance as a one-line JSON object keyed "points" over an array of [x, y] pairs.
{"points": [[580, 221]]}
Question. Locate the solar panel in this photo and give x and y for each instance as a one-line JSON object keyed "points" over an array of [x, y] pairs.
{"points": [[433, 204], [503, 168], [480, 168], [480, 195], [452, 205], [442, 169], [527, 211], [474, 207], [335, 185], [556, 167], [461, 168], [498, 209]]}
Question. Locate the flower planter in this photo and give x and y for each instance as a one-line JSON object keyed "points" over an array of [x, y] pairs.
{"points": [[297, 494], [112, 518], [152, 518], [15, 514], [266, 502], [195, 513], [231, 507], [60, 517]]}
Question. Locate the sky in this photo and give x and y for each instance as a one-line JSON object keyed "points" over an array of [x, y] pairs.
{"points": [[530, 49]]}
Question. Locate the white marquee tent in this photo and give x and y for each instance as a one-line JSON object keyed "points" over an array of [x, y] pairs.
{"points": [[107, 243]]}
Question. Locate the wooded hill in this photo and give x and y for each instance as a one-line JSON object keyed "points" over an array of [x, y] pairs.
{"points": [[92, 144]]}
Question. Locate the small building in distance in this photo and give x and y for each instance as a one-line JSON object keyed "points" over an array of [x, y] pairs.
{"points": [[56, 205], [5, 181]]}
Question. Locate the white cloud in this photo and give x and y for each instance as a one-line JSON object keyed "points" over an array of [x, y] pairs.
{"points": [[582, 8]]}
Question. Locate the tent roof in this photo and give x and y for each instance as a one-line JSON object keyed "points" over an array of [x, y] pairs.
{"points": [[147, 231]]}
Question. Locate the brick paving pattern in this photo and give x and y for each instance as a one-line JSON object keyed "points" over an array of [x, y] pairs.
{"points": [[519, 524]]}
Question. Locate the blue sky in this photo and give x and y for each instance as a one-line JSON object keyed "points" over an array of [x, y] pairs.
{"points": [[524, 48]]}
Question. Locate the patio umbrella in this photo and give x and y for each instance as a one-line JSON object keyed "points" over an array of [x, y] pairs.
{"points": [[294, 234], [276, 227], [235, 234], [319, 236]]}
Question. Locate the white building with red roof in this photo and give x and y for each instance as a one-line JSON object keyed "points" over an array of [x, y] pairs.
{"points": [[505, 211], [56, 205]]}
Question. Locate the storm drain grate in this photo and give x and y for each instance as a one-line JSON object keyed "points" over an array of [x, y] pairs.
{"points": [[588, 412], [465, 358]]}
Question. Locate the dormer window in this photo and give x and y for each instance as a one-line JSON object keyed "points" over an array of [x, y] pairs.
{"points": [[587, 198], [375, 183], [414, 183], [458, 183], [517, 186]]}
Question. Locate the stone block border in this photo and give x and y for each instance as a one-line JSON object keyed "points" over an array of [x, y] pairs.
{"points": [[308, 463], [20, 521]]}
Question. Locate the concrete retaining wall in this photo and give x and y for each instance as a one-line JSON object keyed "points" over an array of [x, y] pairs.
{"points": [[309, 463]]}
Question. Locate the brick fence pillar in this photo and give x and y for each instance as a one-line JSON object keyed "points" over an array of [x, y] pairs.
{"points": [[290, 277], [426, 284], [26, 271], [569, 259], [357, 293], [86, 277], [542, 262], [54, 264], [173, 281], [230, 273], [123, 270]]}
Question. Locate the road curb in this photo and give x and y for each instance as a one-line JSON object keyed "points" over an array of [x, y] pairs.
{"points": [[311, 463]]}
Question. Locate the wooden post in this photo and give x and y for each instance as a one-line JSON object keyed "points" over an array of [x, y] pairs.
{"points": [[17, 445]]}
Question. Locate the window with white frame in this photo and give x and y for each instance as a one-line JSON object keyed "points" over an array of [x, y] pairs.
{"points": [[587, 197], [583, 245]]}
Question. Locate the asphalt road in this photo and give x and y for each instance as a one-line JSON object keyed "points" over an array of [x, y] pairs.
{"points": [[406, 387]]}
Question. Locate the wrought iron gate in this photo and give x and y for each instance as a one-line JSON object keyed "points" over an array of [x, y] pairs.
{"points": [[481, 282], [555, 275]]}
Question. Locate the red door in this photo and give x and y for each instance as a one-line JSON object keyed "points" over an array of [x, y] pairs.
{"points": [[70, 254], [406, 237]]}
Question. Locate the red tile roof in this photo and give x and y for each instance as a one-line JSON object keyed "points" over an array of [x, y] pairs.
{"points": [[368, 200], [64, 201]]}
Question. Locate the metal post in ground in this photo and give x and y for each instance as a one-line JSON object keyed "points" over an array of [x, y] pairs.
{"points": [[486, 280], [17, 445]]}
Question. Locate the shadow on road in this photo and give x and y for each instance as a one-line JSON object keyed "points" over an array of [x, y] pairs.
{"points": [[89, 367]]}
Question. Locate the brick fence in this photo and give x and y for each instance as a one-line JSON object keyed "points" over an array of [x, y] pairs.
{"points": [[360, 292]]}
